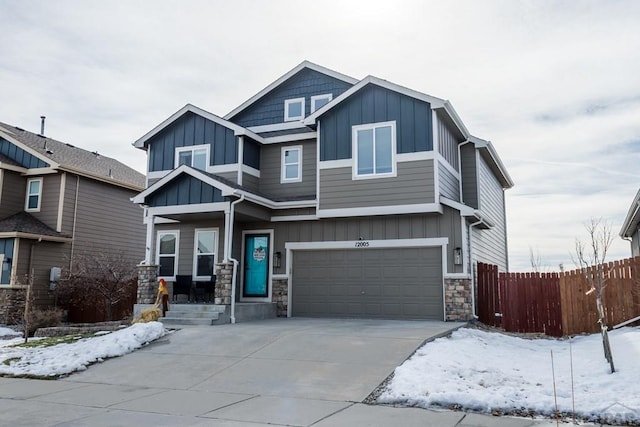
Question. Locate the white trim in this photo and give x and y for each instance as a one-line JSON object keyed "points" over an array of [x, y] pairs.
{"points": [[276, 127], [26, 199], [317, 202], [284, 218], [283, 164], [14, 265], [285, 77], [269, 266], [351, 244], [216, 233], [335, 164], [434, 131], [355, 175], [287, 103], [240, 159], [226, 168], [156, 175], [193, 149], [327, 96], [381, 210], [45, 171], [251, 171], [289, 138], [33, 236], [237, 130], [15, 168], [176, 254], [448, 166], [16, 142], [63, 185], [415, 157], [464, 209], [193, 208]]}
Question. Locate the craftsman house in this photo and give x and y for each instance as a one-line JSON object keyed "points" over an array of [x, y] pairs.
{"points": [[330, 196], [631, 227], [56, 201]]}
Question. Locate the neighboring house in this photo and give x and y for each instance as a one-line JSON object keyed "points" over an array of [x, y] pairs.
{"points": [[338, 197], [57, 201], [631, 227]]}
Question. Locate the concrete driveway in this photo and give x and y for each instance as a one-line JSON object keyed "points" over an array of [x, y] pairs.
{"points": [[283, 372]]}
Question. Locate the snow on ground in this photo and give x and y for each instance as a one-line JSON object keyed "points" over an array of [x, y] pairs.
{"points": [[62, 359], [8, 332], [488, 371]]}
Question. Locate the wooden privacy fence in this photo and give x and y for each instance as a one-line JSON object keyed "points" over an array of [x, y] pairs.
{"points": [[556, 304]]}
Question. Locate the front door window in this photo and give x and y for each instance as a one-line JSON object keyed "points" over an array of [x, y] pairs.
{"points": [[256, 266]]}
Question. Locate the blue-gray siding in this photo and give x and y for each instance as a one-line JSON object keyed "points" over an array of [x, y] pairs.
{"points": [[449, 183], [20, 156], [192, 129], [251, 153], [185, 190], [306, 83], [6, 248], [490, 246], [413, 185], [447, 144], [374, 104]]}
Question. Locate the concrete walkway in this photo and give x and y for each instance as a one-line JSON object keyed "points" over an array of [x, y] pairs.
{"points": [[281, 372]]}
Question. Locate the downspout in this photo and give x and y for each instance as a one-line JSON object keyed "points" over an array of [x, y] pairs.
{"points": [[233, 260], [473, 276]]}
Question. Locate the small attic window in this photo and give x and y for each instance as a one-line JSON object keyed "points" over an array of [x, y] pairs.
{"points": [[293, 109], [318, 101]]}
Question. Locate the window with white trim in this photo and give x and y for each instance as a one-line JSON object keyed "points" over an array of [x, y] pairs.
{"points": [[293, 109], [34, 195], [196, 156], [204, 254], [291, 164], [374, 150], [167, 254], [317, 101]]}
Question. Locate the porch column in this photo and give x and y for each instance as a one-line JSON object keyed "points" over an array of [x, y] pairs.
{"points": [[227, 229], [224, 275], [147, 283], [149, 244]]}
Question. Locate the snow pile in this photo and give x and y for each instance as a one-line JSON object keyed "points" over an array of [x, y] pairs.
{"points": [[487, 371], [63, 359], [8, 333]]}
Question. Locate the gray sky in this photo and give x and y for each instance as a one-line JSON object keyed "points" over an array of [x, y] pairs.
{"points": [[555, 85]]}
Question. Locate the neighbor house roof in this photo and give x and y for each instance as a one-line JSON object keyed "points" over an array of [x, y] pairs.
{"points": [[26, 225], [74, 159], [630, 224]]}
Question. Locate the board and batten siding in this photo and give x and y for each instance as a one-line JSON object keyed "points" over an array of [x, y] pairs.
{"points": [[413, 184], [14, 190], [411, 226], [490, 246], [184, 190], [20, 156], [447, 144], [449, 183], [270, 173], [374, 104], [107, 222], [306, 83], [188, 130], [469, 173]]}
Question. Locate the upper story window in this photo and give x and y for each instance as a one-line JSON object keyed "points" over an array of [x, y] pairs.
{"points": [[291, 164], [196, 156], [34, 195], [318, 101], [293, 109], [374, 148], [167, 254]]}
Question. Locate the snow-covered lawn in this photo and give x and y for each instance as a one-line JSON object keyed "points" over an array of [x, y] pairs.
{"points": [[62, 359], [494, 372]]}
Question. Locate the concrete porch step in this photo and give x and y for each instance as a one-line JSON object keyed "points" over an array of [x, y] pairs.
{"points": [[213, 314], [187, 320]]}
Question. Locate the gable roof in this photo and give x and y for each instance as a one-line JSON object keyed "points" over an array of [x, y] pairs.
{"points": [[25, 225], [284, 78], [142, 142], [491, 155], [66, 157], [630, 224]]}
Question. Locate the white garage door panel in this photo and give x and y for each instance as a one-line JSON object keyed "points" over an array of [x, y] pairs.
{"points": [[402, 283]]}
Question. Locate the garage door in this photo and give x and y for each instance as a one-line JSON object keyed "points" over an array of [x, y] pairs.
{"points": [[392, 283]]}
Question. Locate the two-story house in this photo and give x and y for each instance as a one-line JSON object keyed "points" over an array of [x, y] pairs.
{"points": [[58, 201], [333, 196]]}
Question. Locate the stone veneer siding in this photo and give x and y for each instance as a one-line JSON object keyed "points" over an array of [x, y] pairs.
{"points": [[458, 300], [11, 305], [147, 283], [280, 295], [224, 276]]}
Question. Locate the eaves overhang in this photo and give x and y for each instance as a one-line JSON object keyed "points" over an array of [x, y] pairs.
{"points": [[631, 221]]}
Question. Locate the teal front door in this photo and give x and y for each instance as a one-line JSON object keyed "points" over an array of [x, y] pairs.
{"points": [[256, 266]]}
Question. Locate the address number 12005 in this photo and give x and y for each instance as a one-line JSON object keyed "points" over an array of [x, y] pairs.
{"points": [[362, 244]]}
